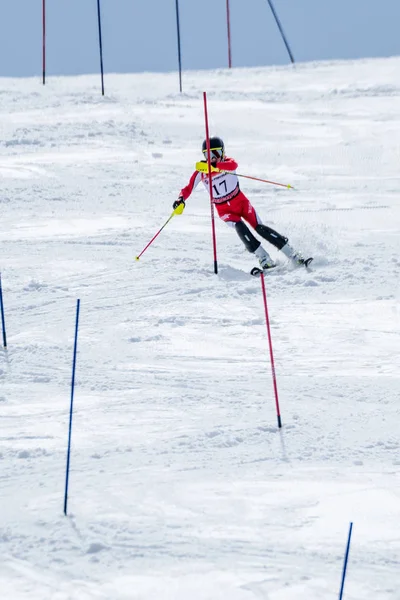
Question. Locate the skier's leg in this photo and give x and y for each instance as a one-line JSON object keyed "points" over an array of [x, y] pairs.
{"points": [[241, 205], [280, 242], [253, 245], [249, 213], [227, 212], [273, 237]]}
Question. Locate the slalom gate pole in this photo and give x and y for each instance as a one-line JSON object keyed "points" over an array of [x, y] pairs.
{"points": [[214, 239], [278, 413], [157, 234], [281, 31], [100, 48], [44, 41], [346, 558], [228, 24], [3, 321], [178, 33], [71, 408]]}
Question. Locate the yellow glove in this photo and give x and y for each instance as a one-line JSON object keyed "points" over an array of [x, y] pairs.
{"points": [[179, 209], [203, 167], [178, 206]]}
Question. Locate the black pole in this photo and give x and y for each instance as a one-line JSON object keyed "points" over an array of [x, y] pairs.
{"points": [[101, 48], [281, 30], [178, 30]]}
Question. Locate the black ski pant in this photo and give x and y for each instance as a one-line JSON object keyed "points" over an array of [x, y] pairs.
{"points": [[252, 243]]}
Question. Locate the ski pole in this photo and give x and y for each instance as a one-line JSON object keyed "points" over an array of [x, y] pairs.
{"points": [[177, 211], [286, 185], [202, 166]]}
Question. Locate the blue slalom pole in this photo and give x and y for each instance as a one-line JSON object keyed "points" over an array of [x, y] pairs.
{"points": [[3, 321], [101, 48], [281, 30], [345, 562], [178, 30], [71, 407], [44, 41]]}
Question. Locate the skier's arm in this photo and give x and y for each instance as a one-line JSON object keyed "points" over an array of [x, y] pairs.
{"points": [[193, 182], [186, 191], [228, 164]]}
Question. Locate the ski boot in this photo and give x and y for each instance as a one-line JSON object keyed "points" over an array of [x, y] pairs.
{"points": [[296, 258], [266, 262]]}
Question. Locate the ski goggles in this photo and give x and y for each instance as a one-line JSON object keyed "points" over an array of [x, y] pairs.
{"points": [[217, 153]]}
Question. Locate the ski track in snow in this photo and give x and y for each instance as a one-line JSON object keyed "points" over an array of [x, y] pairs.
{"points": [[181, 485]]}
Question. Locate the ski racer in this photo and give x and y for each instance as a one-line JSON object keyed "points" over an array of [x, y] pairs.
{"points": [[233, 206]]}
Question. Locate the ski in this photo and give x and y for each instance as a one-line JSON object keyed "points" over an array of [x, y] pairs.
{"points": [[256, 271]]}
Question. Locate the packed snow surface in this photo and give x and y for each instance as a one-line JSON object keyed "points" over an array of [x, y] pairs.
{"points": [[182, 487]]}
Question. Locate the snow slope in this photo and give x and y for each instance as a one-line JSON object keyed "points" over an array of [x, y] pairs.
{"points": [[181, 485]]}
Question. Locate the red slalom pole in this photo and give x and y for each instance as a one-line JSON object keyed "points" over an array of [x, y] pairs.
{"points": [[271, 354], [210, 184], [228, 22], [44, 40]]}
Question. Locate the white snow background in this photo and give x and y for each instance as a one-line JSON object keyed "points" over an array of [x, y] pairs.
{"points": [[181, 485]]}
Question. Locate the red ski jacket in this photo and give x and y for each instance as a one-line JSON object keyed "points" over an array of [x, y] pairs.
{"points": [[225, 184]]}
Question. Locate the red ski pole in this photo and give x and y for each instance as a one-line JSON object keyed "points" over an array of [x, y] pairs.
{"points": [[203, 167], [278, 412], [177, 211], [286, 185]]}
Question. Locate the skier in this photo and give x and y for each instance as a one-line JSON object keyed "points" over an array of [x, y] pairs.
{"points": [[234, 208]]}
